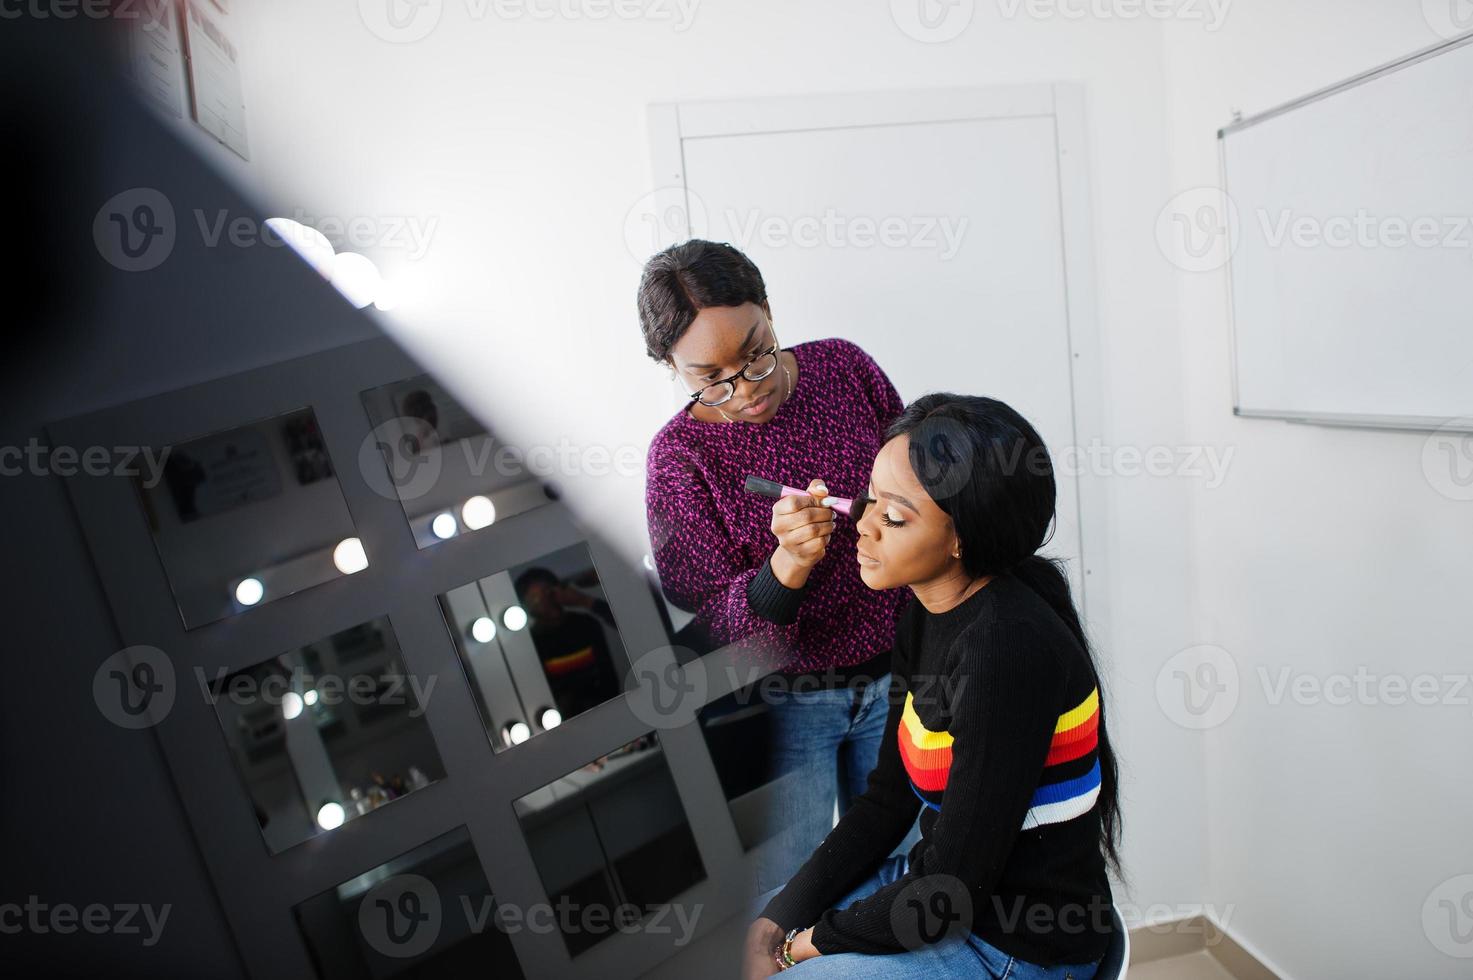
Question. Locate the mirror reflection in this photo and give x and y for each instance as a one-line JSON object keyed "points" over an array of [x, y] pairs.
{"points": [[248, 515], [427, 913], [328, 732], [447, 472], [538, 642], [611, 842], [738, 736]]}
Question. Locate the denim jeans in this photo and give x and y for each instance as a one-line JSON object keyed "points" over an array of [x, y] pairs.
{"points": [[824, 744], [971, 956]]}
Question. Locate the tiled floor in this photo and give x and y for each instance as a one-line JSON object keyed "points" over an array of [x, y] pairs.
{"points": [[1191, 966]]}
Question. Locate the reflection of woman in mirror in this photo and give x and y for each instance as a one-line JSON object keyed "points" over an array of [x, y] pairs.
{"points": [[420, 419], [779, 578], [572, 647], [996, 733]]}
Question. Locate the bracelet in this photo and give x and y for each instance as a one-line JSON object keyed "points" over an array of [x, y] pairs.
{"points": [[784, 953]]}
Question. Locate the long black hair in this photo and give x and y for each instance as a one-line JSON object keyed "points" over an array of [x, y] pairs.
{"points": [[685, 279], [989, 471]]}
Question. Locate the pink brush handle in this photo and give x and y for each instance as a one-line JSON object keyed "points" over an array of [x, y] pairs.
{"points": [[840, 504]]}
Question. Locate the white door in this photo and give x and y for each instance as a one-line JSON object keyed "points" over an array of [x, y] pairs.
{"points": [[929, 228]]}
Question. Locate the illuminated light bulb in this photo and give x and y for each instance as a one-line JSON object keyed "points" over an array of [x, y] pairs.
{"points": [[478, 512], [349, 556], [444, 526], [390, 292], [518, 732], [249, 592], [551, 718], [483, 630], [310, 698], [356, 277], [330, 816], [307, 242], [291, 705], [514, 618]]}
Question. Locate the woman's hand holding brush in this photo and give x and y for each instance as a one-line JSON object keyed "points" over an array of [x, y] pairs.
{"points": [[802, 524]]}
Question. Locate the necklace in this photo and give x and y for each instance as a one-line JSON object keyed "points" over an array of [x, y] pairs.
{"points": [[789, 376]]}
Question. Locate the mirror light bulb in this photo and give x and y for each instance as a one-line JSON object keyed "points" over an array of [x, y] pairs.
{"points": [[518, 732], [330, 816], [356, 277], [514, 618], [483, 630], [349, 556], [291, 705], [551, 718], [249, 592], [444, 526], [478, 512], [309, 243]]}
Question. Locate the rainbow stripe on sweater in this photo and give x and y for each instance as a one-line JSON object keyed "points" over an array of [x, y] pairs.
{"points": [[927, 758]]}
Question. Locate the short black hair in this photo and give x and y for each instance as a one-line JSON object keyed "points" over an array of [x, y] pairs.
{"points": [[531, 577], [685, 279]]}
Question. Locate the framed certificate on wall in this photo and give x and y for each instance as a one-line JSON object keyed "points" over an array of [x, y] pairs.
{"points": [[215, 89]]}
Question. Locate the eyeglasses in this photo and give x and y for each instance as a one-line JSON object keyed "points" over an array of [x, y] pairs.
{"points": [[721, 392]]}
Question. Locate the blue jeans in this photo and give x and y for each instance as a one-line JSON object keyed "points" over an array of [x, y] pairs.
{"points": [[971, 956], [824, 744]]}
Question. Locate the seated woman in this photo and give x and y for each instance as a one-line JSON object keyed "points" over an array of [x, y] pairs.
{"points": [[995, 733]]}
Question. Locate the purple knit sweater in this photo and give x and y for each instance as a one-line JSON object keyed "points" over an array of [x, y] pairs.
{"points": [[710, 537]]}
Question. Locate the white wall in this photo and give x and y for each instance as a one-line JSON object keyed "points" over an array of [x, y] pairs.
{"points": [[525, 142], [1325, 551]]}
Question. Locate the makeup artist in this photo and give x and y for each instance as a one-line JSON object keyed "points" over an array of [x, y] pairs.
{"points": [[782, 578]]}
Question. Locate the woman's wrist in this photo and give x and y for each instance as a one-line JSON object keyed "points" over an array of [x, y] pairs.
{"points": [[802, 947], [787, 570], [795, 947]]}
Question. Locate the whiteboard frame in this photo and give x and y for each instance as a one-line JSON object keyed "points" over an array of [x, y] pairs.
{"points": [[1408, 423], [1065, 103]]}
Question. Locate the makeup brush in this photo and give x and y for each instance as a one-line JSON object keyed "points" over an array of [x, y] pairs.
{"points": [[769, 488]]}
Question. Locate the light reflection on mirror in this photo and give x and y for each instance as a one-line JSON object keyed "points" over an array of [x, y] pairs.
{"points": [[538, 642], [448, 473], [326, 733], [611, 840], [248, 515]]}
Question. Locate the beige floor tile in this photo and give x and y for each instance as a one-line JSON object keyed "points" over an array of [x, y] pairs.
{"points": [[1193, 966]]}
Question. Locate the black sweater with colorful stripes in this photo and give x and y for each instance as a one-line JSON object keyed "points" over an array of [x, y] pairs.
{"points": [[994, 708]]}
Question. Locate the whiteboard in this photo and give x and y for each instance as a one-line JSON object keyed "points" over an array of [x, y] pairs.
{"points": [[1349, 217]]}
